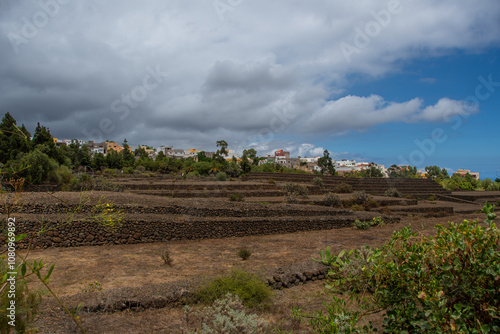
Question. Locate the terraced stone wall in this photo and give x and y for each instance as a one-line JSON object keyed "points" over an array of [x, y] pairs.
{"points": [[131, 232]]}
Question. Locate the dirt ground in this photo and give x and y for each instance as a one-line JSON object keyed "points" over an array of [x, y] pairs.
{"points": [[140, 265]]}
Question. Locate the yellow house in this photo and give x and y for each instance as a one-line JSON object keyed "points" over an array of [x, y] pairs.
{"points": [[111, 145]]}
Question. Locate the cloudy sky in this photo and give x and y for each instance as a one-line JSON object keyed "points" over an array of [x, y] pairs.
{"points": [[405, 82]]}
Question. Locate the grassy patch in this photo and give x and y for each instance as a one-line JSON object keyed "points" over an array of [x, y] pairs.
{"points": [[252, 290]]}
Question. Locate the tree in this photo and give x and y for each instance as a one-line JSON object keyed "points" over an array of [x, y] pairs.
{"points": [[203, 157], [252, 155], [114, 160], [221, 153], [13, 140], [34, 166], [223, 147], [127, 155], [436, 173], [397, 171], [373, 171], [326, 164], [98, 161], [160, 156], [42, 136], [141, 153], [245, 165]]}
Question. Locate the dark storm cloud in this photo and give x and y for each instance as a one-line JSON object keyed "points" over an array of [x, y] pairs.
{"points": [[262, 67]]}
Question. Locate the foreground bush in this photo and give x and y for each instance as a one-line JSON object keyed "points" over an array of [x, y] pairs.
{"points": [[250, 289], [441, 284], [227, 315]]}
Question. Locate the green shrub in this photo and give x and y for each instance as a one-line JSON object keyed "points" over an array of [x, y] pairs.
{"points": [[317, 181], [432, 198], [81, 182], [332, 199], [128, 170], [236, 198], [362, 225], [271, 181], [360, 197], [371, 203], [61, 175], [140, 169], [344, 188], [393, 192], [110, 172], [193, 175], [251, 289], [298, 189], [27, 303], [440, 284], [291, 198], [357, 207], [365, 225], [34, 166], [225, 316], [221, 176], [376, 221], [244, 253], [103, 184], [292, 191]]}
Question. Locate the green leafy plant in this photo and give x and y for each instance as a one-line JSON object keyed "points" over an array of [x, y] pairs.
{"points": [[439, 284], [376, 221], [362, 224]]}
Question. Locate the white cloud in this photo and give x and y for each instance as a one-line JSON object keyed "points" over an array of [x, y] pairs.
{"points": [[445, 109], [360, 113], [226, 77]]}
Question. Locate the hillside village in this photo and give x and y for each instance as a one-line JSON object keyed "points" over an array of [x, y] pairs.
{"points": [[280, 157]]}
